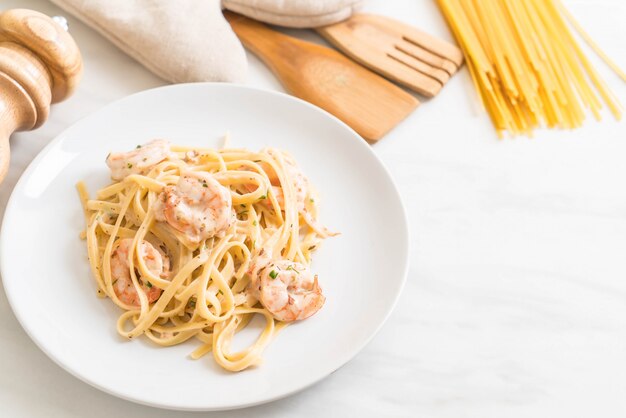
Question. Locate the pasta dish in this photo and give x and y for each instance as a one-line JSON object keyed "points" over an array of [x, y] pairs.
{"points": [[194, 242]]}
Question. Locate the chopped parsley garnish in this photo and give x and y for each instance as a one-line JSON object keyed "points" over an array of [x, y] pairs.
{"points": [[129, 165], [192, 303], [255, 223], [242, 205], [204, 184], [312, 200], [263, 197], [220, 292], [273, 274], [138, 146], [149, 285]]}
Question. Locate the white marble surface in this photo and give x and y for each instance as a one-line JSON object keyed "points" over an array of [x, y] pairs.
{"points": [[515, 305]]}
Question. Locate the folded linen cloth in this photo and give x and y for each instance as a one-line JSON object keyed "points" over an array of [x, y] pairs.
{"points": [[295, 13], [179, 41], [189, 40]]}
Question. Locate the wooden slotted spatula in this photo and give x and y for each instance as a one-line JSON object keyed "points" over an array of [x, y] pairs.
{"points": [[362, 99], [400, 52]]}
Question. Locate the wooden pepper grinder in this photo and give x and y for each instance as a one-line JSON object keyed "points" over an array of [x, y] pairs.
{"points": [[39, 64]]}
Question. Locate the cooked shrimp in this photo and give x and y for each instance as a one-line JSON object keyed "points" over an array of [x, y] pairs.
{"points": [[299, 181], [198, 206], [280, 198], [300, 184], [259, 260], [288, 290], [139, 160], [156, 261]]}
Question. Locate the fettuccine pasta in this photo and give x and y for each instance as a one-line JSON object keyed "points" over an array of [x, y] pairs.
{"points": [[194, 242]]}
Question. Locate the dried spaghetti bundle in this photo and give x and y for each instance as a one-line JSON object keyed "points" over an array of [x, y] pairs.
{"points": [[526, 63]]}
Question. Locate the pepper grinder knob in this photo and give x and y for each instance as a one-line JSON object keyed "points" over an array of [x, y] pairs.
{"points": [[40, 64]]}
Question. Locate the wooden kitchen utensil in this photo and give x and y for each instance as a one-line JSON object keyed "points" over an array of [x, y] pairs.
{"points": [[400, 52], [367, 102], [39, 64]]}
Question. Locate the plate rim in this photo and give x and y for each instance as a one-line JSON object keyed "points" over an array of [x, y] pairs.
{"points": [[19, 186]]}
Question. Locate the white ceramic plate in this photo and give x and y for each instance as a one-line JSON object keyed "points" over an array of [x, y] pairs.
{"points": [[48, 283]]}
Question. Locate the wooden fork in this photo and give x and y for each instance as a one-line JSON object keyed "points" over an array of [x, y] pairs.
{"points": [[398, 51]]}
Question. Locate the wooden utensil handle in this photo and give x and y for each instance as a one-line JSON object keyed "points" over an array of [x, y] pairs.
{"points": [[260, 39], [39, 64]]}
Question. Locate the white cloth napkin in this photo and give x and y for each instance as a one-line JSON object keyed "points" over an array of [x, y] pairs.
{"points": [[189, 40]]}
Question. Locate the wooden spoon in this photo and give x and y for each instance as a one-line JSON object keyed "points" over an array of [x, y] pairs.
{"points": [[39, 64], [367, 102]]}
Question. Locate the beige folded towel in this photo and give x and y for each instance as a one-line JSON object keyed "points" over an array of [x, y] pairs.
{"points": [[189, 40], [179, 41], [295, 13]]}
